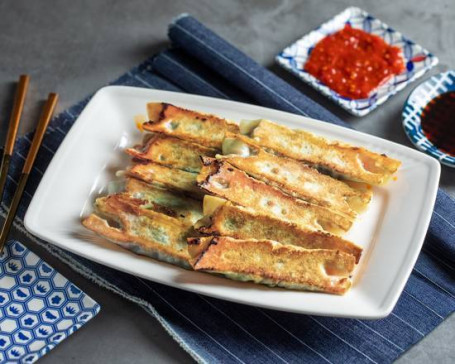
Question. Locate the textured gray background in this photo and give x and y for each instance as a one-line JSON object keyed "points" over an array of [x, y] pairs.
{"points": [[75, 47]]}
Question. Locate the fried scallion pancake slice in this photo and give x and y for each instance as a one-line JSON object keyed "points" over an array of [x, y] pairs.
{"points": [[339, 159], [124, 221], [244, 223], [221, 179], [205, 129], [165, 177], [294, 177], [273, 264], [172, 152], [183, 208]]}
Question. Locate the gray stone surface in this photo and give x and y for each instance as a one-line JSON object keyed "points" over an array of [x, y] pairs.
{"points": [[75, 47]]}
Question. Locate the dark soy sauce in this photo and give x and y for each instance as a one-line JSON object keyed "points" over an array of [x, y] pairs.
{"points": [[438, 122]]}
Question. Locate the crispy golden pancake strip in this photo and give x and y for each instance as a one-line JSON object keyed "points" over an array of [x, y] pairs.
{"points": [[339, 159], [142, 231], [172, 152], [244, 223], [169, 178], [274, 264], [205, 129], [294, 177], [222, 179], [183, 208]]}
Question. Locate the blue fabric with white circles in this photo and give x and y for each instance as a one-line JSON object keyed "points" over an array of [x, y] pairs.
{"points": [[417, 59], [39, 307], [413, 108]]}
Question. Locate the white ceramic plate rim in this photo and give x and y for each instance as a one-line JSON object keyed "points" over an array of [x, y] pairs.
{"points": [[359, 302]]}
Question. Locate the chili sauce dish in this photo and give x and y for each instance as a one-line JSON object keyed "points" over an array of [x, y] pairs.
{"points": [[428, 117], [356, 60]]}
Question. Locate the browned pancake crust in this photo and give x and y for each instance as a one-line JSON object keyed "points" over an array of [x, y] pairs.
{"points": [[222, 179], [144, 231], [353, 163], [182, 207], [205, 129], [244, 223], [299, 179], [169, 178], [271, 263], [172, 152]]}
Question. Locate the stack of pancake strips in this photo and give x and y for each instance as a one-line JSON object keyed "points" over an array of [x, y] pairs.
{"points": [[255, 202]]}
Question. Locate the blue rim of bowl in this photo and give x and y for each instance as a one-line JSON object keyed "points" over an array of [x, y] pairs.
{"points": [[412, 110], [360, 107]]}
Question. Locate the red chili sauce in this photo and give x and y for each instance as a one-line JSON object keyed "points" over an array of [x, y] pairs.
{"points": [[438, 122], [353, 62]]}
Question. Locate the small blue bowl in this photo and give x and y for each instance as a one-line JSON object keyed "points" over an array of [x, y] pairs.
{"points": [[412, 111]]}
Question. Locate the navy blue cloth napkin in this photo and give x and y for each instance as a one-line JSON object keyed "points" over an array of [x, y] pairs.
{"points": [[212, 330]]}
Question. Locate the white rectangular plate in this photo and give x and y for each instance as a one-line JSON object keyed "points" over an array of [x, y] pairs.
{"points": [[391, 231]]}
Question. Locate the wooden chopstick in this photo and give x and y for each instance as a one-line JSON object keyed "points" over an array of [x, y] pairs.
{"points": [[19, 100], [46, 115]]}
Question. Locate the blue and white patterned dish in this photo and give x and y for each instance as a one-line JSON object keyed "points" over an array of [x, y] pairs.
{"points": [[412, 111], [39, 307], [417, 60]]}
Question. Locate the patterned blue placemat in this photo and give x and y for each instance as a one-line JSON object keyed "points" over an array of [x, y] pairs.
{"points": [[39, 307], [212, 330]]}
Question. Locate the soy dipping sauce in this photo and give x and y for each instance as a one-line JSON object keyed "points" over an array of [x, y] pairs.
{"points": [[438, 122]]}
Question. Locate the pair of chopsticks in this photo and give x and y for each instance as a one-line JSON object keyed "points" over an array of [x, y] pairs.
{"points": [[43, 122]]}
